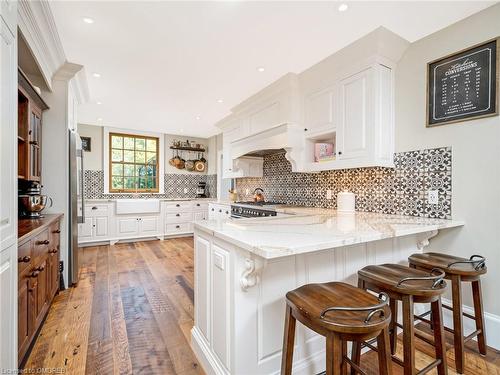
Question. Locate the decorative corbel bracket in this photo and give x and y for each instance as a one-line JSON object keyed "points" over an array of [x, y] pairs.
{"points": [[250, 276], [423, 239]]}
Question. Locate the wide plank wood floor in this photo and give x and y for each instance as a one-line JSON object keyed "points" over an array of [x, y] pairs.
{"points": [[132, 313]]}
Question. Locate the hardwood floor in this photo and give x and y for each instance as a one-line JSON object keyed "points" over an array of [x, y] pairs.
{"points": [[132, 313]]}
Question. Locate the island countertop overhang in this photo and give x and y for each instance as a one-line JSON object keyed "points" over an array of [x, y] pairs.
{"points": [[316, 229]]}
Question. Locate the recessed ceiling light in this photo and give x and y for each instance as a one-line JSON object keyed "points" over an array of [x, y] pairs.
{"points": [[99, 119], [220, 101], [198, 117], [260, 69], [97, 75], [99, 103], [88, 20], [343, 7]]}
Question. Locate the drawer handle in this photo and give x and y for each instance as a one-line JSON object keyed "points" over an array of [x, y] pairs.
{"points": [[40, 268], [34, 274], [94, 208], [44, 242], [227, 212], [177, 205], [220, 210], [31, 290], [34, 143], [177, 214], [198, 204], [53, 251], [177, 226], [24, 259], [213, 209], [57, 231]]}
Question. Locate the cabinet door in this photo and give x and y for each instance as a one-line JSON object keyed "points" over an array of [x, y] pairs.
{"points": [[355, 124], [8, 307], [201, 215], [41, 300], [53, 260], [202, 285], [35, 140], [212, 215], [128, 226], [319, 110], [8, 134], [101, 227], [24, 328], [149, 226], [85, 229]]}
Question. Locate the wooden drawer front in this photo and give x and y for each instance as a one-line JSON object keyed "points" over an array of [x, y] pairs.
{"points": [[180, 217], [41, 244], [55, 237], [199, 206], [24, 257], [180, 206], [178, 228], [96, 209]]}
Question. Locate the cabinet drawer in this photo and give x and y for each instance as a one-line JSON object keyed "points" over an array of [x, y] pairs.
{"points": [[179, 217], [55, 237], [178, 228], [178, 206], [199, 206], [41, 244], [96, 209], [24, 257]]}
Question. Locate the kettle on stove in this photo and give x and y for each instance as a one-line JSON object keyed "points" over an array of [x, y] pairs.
{"points": [[258, 195]]}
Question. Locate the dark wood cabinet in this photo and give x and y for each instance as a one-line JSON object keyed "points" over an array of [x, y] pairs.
{"points": [[29, 129], [38, 268]]}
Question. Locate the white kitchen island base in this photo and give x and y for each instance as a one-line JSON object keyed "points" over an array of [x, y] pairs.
{"points": [[240, 305]]}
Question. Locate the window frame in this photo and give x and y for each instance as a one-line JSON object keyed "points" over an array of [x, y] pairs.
{"points": [[107, 163]]}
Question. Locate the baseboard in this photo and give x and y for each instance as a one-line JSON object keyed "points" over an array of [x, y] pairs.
{"points": [[492, 323], [201, 349]]}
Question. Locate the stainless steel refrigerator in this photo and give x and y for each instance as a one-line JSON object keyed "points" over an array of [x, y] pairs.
{"points": [[76, 203]]}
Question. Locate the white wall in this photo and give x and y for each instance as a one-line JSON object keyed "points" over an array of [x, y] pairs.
{"points": [[475, 147], [92, 159]]}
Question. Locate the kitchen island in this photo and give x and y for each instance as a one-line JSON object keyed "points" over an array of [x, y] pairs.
{"points": [[244, 267]]}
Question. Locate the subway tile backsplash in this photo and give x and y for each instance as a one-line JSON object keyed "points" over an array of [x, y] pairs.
{"points": [[399, 190], [174, 186]]}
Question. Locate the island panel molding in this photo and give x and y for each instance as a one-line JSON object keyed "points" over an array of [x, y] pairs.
{"points": [[401, 190], [464, 85], [174, 186]]}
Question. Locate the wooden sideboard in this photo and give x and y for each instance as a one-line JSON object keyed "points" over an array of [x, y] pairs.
{"points": [[38, 270]]}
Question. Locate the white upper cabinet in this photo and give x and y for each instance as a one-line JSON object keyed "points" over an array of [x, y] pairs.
{"points": [[8, 128], [319, 110]]}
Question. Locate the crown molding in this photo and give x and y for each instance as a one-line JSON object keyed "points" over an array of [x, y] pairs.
{"points": [[38, 28]]}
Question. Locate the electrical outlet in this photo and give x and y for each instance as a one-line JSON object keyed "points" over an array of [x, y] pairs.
{"points": [[328, 194], [185, 190], [432, 197]]}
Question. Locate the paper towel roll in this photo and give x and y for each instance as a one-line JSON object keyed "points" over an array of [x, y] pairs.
{"points": [[346, 202]]}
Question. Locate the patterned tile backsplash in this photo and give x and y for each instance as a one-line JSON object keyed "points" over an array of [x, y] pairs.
{"points": [[174, 186], [402, 190]]}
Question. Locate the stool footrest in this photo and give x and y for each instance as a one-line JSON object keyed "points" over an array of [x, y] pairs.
{"points": [[472, 335], [467, 315], [354, 366], [429, 367]]}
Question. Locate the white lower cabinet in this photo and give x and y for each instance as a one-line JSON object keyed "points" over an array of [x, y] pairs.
{"points": [[174, 219], [219, 211], [8, 308]]}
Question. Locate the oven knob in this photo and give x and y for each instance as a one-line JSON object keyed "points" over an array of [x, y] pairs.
{"points": [[240, 210]]}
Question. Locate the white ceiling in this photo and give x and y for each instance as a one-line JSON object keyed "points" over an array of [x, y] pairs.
{"points": [[162, 64]]}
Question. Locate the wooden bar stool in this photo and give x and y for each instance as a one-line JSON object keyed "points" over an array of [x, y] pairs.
{"points": [[458, 270], [410, 286], [341, 313]]}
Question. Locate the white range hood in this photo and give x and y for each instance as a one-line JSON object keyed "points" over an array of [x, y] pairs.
{"points": [[284, 136]]}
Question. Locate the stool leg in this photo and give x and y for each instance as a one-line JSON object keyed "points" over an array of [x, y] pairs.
{"points": [[333, 355], [392, 325], [439, 343], [356, 346], [288, 342], [458, 324], [408, 336], [479, 314], [384, 354]]}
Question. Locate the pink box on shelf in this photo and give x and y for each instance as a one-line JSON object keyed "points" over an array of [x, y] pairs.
{"points": [[324, 151]]}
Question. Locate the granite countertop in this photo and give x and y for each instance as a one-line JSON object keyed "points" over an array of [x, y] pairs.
{"points": [[300, 230], [29, 227]]}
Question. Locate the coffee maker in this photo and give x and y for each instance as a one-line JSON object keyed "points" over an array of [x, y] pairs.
{"points": [[31, 200], [201, 190]]}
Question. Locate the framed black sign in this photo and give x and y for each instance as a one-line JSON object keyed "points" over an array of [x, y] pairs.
{"points": [[86, 144], [463, 86]]}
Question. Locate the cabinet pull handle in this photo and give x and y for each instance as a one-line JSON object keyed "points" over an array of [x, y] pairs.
{"points": [[305, 129], [57, 231], [94, 208], [220, 210], [31, 290], [34, 274], [340, 152], [53, 251], [177, 226], [177, 214], [177, 205], [213, 209], [44, 242], [40, 268], [197, 204], [227, 212], [24, 259], [34, 143]]}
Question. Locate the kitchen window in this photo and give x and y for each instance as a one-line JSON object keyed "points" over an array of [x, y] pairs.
{"points": [[133, 163]]}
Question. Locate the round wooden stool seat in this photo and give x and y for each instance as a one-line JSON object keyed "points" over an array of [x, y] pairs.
{"points": [[398, 280], [310, 301], [473, 267]]}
